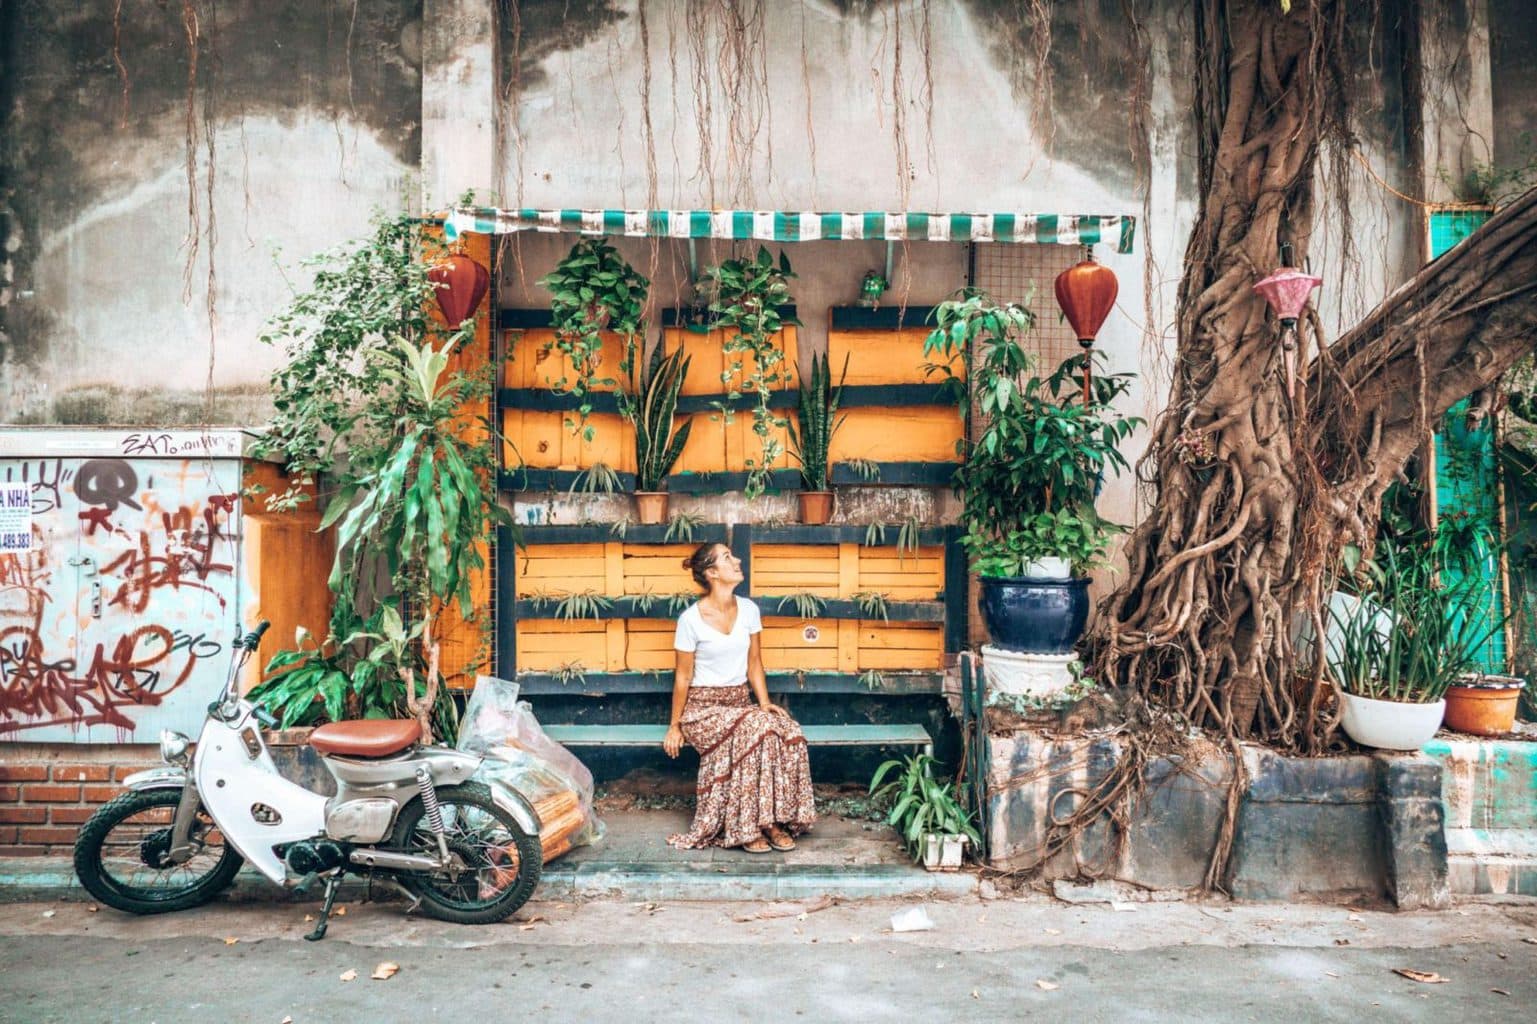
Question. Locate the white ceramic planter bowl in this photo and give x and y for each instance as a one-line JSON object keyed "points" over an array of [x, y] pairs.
{"points": [[1390, 725], [1049, 568]]}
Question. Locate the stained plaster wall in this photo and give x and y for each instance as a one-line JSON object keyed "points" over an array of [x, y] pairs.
{"points": [[304, 117]]}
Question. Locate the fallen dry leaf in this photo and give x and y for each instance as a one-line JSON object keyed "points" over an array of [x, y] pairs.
{"points": [[308, 918], [1046, 986], [975, 994], [349, 975], [384, 971], [340, 911], [230, 940], [1342, 942], [795, 910], [1424, 977], [93, 908], [1499, 992], [525, 927]]}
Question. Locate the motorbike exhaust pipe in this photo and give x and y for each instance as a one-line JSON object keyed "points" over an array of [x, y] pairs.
{"points": [[394, 861]]}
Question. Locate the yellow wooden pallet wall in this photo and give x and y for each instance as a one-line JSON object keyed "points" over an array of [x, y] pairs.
{"points": [[891, 434], [715, 446], [547, 440]]}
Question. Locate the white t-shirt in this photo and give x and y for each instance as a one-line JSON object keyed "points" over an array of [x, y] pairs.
{"points": [[720, 659]]}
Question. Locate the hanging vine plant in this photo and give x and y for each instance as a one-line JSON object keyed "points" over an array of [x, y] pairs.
{"points": [[593, 290], [749, 298]]}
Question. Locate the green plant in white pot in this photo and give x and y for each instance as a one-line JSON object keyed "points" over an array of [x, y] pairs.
{"points": [[1397, 645], [930, 814]]}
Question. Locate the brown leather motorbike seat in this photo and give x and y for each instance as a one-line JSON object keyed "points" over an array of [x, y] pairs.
{"points": [[367, 737]]}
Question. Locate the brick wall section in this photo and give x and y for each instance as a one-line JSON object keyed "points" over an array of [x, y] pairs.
{"points": [[45, 794]]}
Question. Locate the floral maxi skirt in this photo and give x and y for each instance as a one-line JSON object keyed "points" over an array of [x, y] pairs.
{"points": [[753, 769]]}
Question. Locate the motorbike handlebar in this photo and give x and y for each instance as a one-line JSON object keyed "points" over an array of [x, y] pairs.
{"points": [[251, 639], [267, 721]]}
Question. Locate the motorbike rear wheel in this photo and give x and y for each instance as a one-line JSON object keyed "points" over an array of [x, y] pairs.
{"points": [[498, 863], [122, 856]]}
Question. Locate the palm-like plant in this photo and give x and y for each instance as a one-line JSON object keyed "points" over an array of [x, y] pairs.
{"points": [[816, 421], [651, 404]]}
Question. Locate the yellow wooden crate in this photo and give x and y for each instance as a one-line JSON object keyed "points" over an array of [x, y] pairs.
{"points": [[716, 445], [648, 645], [561, 569], [902, 576], [809, 644], [533, 362], [920, 433], [900, 645], [656, 569], [546, 645], [884, 356], [796, 569]]}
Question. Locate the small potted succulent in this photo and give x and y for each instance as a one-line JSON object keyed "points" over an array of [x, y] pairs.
{"points": [[811, 434], [1483, 704], [1030, 477], [650, 403], [928, 813]]}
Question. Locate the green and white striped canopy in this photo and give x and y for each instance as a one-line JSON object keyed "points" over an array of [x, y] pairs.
{"points": [[790, 226]]}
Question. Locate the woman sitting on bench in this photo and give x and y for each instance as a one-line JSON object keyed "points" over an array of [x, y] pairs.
{"points": [[754, 786]]}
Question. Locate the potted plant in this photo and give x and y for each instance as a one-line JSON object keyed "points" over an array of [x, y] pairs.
{"points": [[593, 289], [816, 420], [1031, 474], [650, 403], [1482, 704], [748, 296], [1398, 644], [929, 814]]}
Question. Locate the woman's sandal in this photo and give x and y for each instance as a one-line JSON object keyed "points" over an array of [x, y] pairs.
{"points": [[759, 845], [779, 839]]}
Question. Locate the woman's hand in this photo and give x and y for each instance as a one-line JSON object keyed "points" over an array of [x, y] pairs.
{"points": [[775, 708], [673, 741]]}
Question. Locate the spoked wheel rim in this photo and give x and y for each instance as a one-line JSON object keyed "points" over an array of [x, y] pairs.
{"points": [[135, 853], [484, 850]]}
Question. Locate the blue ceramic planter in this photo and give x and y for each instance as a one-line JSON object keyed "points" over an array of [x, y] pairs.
{"points": [[1033, 615]]}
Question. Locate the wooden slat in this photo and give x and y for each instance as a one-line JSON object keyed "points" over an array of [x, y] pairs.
{"points": [[912, 434], [882, 356], [532, 361]]}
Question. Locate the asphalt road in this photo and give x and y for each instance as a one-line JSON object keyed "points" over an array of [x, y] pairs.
{"points": [[1000, 960]]}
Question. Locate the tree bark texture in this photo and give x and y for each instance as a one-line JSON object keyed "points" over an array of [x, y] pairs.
{"points": [[1235, 552]]}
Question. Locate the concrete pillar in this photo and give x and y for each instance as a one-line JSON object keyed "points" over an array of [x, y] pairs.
{"points": [[1456, 94], [459, 94]]}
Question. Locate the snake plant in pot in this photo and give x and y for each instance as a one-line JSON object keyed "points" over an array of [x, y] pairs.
{"points": [[1031, 474], [650, 403], [816, 420]]}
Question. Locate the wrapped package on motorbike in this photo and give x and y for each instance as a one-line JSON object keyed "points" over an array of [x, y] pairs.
{"points": [[518, 753]]}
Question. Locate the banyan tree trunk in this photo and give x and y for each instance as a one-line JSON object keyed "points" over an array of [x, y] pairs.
{"points": [[1233, 553]]}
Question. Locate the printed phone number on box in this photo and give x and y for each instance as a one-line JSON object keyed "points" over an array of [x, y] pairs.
{"points": [[16, 541]]}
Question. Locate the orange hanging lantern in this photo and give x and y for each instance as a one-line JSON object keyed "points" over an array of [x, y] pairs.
{"points": [[461, 284], [1086, 292]]}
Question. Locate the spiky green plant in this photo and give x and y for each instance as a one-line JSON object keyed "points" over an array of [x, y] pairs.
{"points": [[875, 534], [805, 605], [598, 478], [644, 602], [872, 679], [816, 421], [680, 528], [586, 605], [866, 469], [873, 604], [907, 538], [570, 672], [651, 404], [678, 603]]}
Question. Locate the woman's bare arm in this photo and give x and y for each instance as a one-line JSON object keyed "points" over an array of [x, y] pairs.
{"points": [[682, 678]]}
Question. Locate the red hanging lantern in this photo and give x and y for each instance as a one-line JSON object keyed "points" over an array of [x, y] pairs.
{"points": [[1286, 292], [1086, 292], [461, 284]]}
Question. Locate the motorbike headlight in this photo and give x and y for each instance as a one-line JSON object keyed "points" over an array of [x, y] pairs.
{"points": [[173, 747]]}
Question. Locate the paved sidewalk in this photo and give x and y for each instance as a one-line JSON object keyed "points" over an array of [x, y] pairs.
{"points": [[999, 960]]}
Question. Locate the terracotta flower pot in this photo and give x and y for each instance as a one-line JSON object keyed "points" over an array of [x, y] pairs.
{"points": [[1487, 708], [651, 507], [816, 507]]}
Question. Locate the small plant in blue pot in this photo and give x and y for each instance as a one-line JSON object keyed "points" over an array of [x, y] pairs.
{"points": [[1031, 473]]}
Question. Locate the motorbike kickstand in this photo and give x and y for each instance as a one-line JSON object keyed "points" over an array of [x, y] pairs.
{"points": [[333, 883]]}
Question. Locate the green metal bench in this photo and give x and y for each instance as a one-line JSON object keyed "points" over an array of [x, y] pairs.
{"points": [[816, 735]]}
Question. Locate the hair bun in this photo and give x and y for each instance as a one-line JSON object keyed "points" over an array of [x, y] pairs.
{"points": [[688, 563]]}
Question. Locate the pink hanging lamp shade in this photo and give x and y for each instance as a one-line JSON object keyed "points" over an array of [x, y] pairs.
{"points": [[461, 284], [1286, 291]]}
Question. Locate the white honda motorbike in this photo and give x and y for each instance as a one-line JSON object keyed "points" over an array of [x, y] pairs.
{"points": [[464, 850]]}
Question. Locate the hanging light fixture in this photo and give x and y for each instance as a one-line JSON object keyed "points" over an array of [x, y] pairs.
{"points": [[461, 284], [1086, 292], [1286, 292]]}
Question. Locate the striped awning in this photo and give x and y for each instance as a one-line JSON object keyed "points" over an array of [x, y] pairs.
{"points": [[790, 226]]}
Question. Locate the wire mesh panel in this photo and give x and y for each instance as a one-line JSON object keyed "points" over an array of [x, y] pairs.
{"points": [[1024, 274]]}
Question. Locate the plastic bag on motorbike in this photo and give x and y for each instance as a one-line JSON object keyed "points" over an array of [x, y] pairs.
{"points": [[519, 754]]}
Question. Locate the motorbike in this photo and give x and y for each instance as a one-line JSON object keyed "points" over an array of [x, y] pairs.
{"points": [[413, 815]]}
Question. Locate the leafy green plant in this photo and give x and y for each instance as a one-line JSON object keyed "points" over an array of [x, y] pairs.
{"points": [[805, 605], [681, 527], [748, 296], [866, 469], [921, 803], [570, 672], [620, 527], [816, 421], [1076, 534], [593, 290], [1043, 449], [598, 478], [872, 679], [423, 508], [678, 602], [875, 534], [644, 602], [907, 538], [586, 605], [873, 604], [650, 403]]}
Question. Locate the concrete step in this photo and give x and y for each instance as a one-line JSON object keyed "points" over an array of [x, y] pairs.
{"points": [[1492, 862], [53, 878], [1487, 784]]}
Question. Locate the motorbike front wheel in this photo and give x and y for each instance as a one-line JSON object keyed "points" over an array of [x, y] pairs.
{"points": [[496, 863], [122, 856]]}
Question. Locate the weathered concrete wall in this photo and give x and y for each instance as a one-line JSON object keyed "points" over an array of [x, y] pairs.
{"points": [[1513, 59], [295, 121]]}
